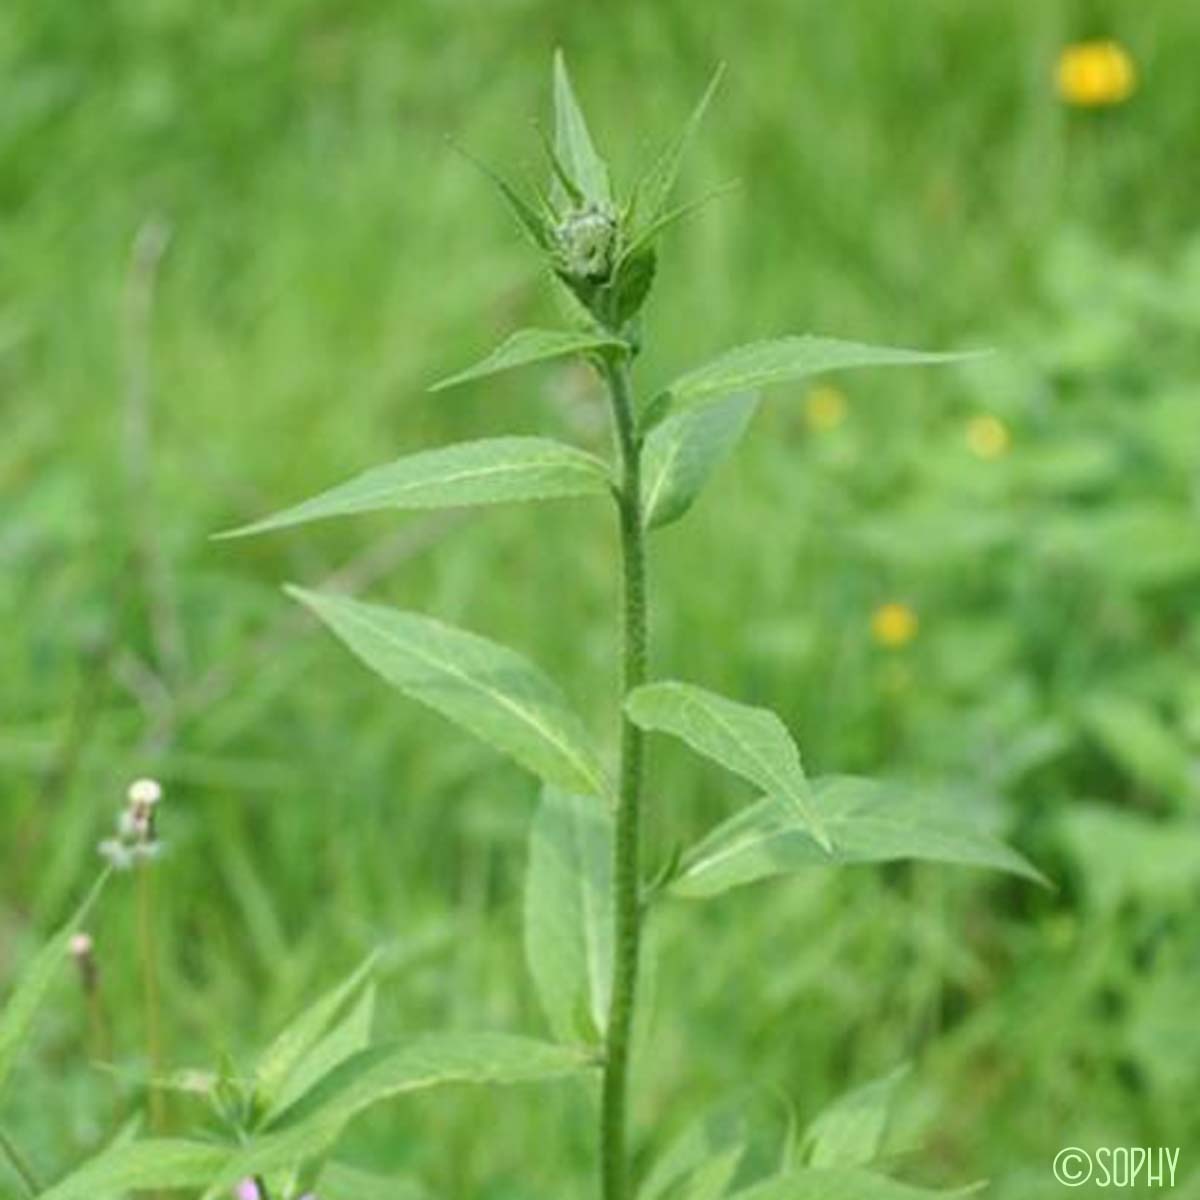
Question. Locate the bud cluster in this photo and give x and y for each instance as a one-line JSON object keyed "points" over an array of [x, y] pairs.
{"points": [[586, 241], [136, 835]]}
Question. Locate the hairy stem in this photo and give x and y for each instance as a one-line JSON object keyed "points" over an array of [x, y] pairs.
{"points": [[20, 1165], [148, 954], [627, 842]]}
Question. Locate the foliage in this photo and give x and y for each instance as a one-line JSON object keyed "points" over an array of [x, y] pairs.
{"points": [[312, 288]]}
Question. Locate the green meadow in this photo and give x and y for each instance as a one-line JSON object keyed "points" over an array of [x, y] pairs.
{"points": [[236, 249]]}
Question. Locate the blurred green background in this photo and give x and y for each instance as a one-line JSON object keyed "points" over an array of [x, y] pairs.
{"points": [[235, 249]]}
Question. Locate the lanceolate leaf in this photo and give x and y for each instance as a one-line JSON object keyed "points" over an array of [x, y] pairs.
{"points": [[841, 1184], [718, 1137], [490, 471], [165, 1163], [528, 346], [349, 1036], [868, 821], [751, 742], [782, 360], [850, 1132], [573, 142], [311, 1126], [23, 1005], [682, 452], [568, 913], [290, 1048], [486, 688]]}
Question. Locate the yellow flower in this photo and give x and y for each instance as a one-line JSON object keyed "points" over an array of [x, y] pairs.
{"points": [[1096, 74], [988, 437], [824, 408], [894, 625]]}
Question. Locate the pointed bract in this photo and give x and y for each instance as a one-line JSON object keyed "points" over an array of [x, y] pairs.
{"points": [[573, 143], [655, 188]]}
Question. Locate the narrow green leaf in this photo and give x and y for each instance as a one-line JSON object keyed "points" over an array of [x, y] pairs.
{"points": [[672, 216], [492, 691], [349, 1036], [845, 1183], [573, 142], [711, 1180], [527, 217], [34, 981], [718, 1136], [751, 742], [528, 346], [850, 1131], [869, 821], [164, 1163], [682, 452], [342, 1182], [659, 182], [568, 913], [311, 1126], [782, 360], [289, 1049], [489, 471], [125, 1136]]}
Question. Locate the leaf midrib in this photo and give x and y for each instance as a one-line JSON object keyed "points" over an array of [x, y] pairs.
{"points": [[587, 769], [584, 467]]}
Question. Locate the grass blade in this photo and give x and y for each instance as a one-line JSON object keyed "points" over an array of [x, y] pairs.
{"points": [[35, 981]]}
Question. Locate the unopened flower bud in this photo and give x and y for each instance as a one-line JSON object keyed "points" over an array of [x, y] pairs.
{"points": [[83, 951], [145, 792], [587, 241]]}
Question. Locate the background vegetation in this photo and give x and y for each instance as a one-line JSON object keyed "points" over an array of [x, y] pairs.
{"points": [[908, 175]]}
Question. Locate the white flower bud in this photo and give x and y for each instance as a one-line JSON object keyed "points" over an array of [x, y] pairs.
{"points": [[81, 945], [145, 792]]}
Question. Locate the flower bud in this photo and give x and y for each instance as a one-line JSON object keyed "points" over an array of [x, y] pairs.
{"points": [[145, 793], [83, 951], [586, 239]]}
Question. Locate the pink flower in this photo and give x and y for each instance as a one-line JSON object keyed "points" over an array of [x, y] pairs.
{"points": [[246, 1190]]}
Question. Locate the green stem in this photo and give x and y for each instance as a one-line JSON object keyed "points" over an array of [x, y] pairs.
{"points": [[627, 842], [148, 953], [20, 1165]]}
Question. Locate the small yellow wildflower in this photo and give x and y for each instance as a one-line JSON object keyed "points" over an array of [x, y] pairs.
{"points": [[894, 625], [988, 437], [824, 408], [1096, 74]]}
